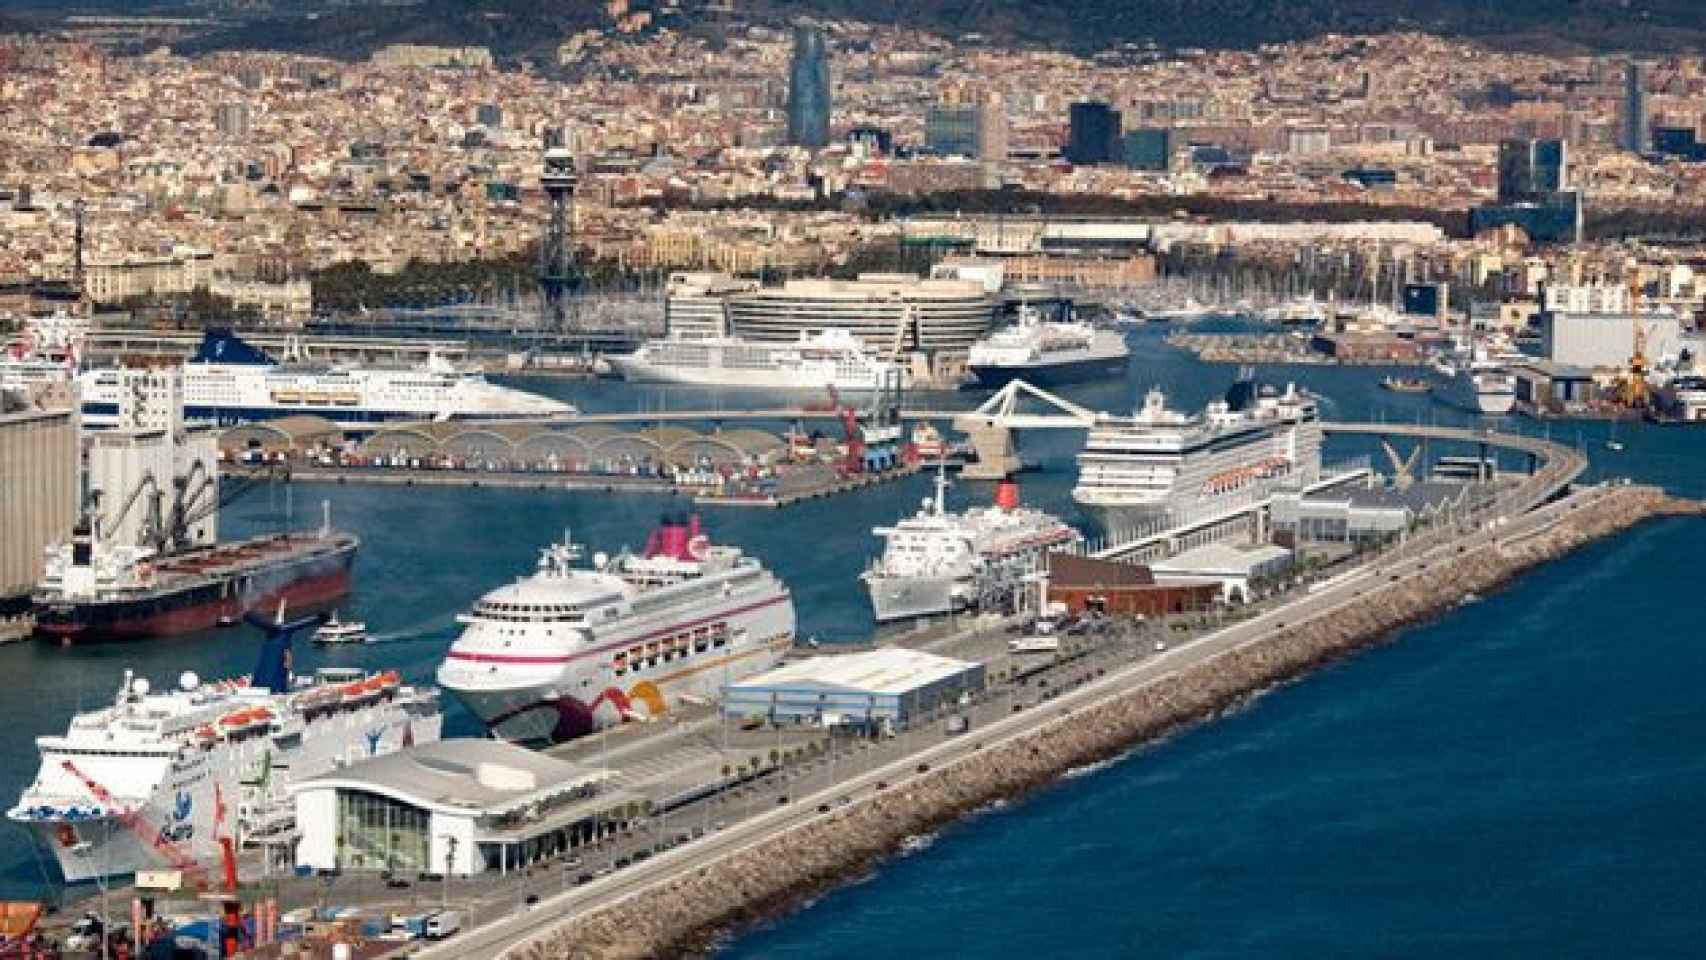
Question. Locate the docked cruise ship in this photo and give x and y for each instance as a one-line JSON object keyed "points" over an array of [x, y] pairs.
{"points": [[228, 381], [1164, 465], [47, 351], [1046, 352], [573, 649], [834, 358], [157, 778], [939, 562]]}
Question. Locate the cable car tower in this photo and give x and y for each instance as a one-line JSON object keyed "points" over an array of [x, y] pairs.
{"points": [[559, 276]]}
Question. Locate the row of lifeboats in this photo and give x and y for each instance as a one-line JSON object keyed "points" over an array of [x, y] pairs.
{"points": [[301, 396], [1236, 479], [1034, 541], [336, 695]]}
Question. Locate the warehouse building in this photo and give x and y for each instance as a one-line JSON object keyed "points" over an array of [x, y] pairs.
{"points": [[461, 807], [892, 687], [1358, 515], [38, 497], [1241, 572]]}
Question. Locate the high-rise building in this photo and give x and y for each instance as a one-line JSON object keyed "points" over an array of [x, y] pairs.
{"points": [[489, 115], [1531, 169], [975, 130], [1149, 148], [231, 120], [1634, 138], [1095, 134], [808, 89]]}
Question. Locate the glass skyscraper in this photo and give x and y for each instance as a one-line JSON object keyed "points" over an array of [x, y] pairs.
{"points": [[808, 89]]}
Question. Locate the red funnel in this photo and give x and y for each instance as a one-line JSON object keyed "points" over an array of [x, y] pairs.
{"points": [[1007, 494]]}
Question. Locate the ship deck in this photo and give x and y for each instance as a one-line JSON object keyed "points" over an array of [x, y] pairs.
{"points": [[244, 555]]}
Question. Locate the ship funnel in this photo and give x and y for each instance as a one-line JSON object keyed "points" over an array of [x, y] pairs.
{"points": [[272, 667], [1007, 494]]}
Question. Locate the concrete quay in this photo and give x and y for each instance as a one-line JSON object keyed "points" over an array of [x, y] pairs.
{"points": [[677, 903]]}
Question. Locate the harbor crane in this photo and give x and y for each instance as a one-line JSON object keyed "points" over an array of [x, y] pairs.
{"points": [[168, 529]]}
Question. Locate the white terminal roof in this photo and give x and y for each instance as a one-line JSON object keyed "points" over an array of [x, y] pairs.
{"points": [[888, 671], [464, 776], [1220, 558]]}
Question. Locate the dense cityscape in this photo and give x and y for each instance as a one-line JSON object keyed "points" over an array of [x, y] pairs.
{"points": [[548, 439]]}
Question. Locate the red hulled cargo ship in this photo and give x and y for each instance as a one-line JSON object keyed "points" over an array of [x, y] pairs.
{"points": [[95, 592]]}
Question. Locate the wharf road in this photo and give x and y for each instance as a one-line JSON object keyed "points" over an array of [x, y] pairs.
{"points": [[1364, 584]]}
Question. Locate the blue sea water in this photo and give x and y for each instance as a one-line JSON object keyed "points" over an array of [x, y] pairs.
{"points": [[1520, 777]]}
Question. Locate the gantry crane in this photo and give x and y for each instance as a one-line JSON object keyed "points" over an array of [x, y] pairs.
{"points": [[1634, 393]]}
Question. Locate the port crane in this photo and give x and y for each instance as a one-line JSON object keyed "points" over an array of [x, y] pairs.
{"points": [[1634, 392], [168, 530]]}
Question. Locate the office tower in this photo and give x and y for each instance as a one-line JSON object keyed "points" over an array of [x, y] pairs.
{"points": [[808, 89], [1149, 148], [1529, 170], [231, 120], [977, 130], [1095, 134], [1635, 107], [489, 115]]}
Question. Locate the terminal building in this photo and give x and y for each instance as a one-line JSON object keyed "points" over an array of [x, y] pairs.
{"points": [[461, 807], [894, 314], [888, 688]]}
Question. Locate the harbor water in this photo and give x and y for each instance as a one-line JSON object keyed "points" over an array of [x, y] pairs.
{"points": [[1518, 777]]}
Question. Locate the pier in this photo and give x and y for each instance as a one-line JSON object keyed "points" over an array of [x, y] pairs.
{"points": [[1022, 736]]}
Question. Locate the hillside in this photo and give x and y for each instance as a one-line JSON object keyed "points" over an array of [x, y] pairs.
{"points": [[517, 28]]}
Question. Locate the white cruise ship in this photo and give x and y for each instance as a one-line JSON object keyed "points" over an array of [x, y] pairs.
{"points": [[1045, 353], [47, 351], [939, 562], [573, 649], [833, 358], [1159, 464], [228, 381], [1474, 383], [157, 779]]}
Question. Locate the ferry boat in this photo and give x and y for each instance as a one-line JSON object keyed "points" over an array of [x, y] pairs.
{"points": [[49, 350], [1163, 465], [832, 358], [94, 590], [937, 562], [335, 631], [573, 649], [1045, 352], [157, 779], [229, 381]]}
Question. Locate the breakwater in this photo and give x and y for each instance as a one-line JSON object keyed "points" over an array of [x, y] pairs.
{"points": [[682, 915]]}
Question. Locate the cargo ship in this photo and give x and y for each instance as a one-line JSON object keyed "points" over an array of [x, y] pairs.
{"points": [[94, 591]]}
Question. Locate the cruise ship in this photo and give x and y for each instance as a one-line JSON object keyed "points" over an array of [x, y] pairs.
{"points": [[229, 381], [47, 351], [938, 562], [156, 779], [573, 649], [1046, 352], [833, 358], [1474, 383], [1163, 465]]}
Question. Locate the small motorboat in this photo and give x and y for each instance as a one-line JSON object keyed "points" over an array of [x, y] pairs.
{"points": [[340, 631]]}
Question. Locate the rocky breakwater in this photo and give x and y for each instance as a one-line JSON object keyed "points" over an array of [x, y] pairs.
{"points": [[682, 916]]}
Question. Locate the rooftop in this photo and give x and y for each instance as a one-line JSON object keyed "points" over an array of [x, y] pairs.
{"points": [[887, 671], [1221, 557], [462, 776]]}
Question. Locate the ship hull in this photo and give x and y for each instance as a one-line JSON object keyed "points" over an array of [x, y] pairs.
{"points": [[635, 370], [1050, 374], [542, 713], [200, 604], [905, 598]]}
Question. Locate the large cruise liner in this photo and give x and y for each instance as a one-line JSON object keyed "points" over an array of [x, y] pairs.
{"points": [[1159, 464], [157, 779], [229, 381], [574, 649], [833, 358], [1046, 352], [939, 562]]}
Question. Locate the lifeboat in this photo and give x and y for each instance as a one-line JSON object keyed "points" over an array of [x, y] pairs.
{"points": [[287, 396]]}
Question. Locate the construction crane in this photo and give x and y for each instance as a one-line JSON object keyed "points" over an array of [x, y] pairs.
{"points": [[854, 460], [1634, 393]]}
